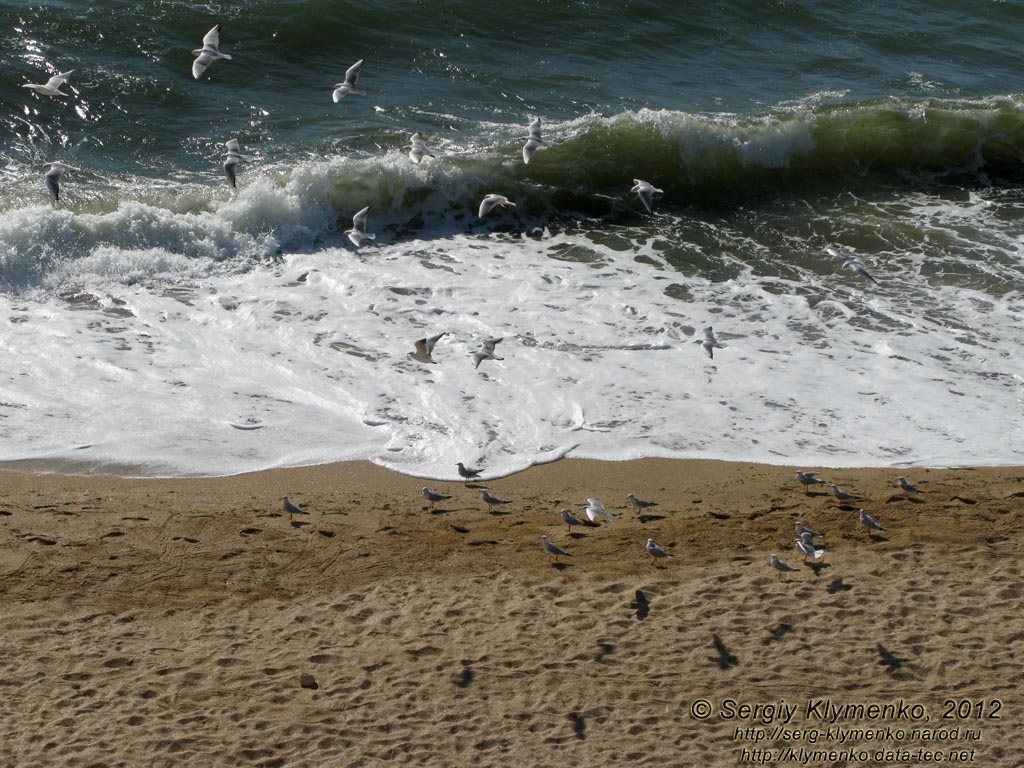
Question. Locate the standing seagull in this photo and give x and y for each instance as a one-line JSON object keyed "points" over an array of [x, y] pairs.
{"points": [[433, 497], [782, 566], [869, 522], [553, 549], [358, 232], [842, 495], [807, 479], [417, 148], [655, 551], [486, 352], [425, 348], [54, 171], [854, 264], [570, 519], [803, 531], [208, 54], [490, 202], [291, 509], [466, 473], [533, 141], [52, 86], [231, 160], [646, 192], [490, 500], [341, 90], [709, 343], [907, 486], [640, 503]]}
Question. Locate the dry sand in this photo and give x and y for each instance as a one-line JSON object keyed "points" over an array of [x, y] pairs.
{"points": [[174, 622]]}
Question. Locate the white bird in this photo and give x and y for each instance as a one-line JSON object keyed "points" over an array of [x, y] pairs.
{"points": [[433, 497], [425, 349], [54, 171], [807, 537], [803, 530], [533, 141], [465, 472], [907, 486], [231, 160], [595, 513], [640, 503], [808, 479], [417, 148], [208, 54], [854, 264], [808, 550], [491, 500], [492, 201], [486, 352], [646, 192], [869, 522], [655, 551], [341, 90], [291, 509], [842, 495], [709, 343], [358, 232], [52, 86], [552, 548], [570, 519], [782, 566]]}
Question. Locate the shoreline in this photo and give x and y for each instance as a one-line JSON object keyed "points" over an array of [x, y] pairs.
{"points": [[187, 620]]}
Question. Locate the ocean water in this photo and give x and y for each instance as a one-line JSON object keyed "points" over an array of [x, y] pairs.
{"points": [[157, 322]]}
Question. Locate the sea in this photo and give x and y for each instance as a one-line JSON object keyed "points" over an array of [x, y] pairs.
{"points": [[158, 322]]}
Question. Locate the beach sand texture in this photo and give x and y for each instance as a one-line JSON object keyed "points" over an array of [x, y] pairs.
{"points": [[188, 622]]}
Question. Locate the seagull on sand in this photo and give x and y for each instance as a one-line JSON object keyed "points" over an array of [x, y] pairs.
{"points": [[231, 160], [709, 343], [807, 479], [639, 503], [52, 86], [417, 148], [553, 549], [570, 519], [595, 511], [781, 566], [808, 550], [208, 54], [358, 232], [433, 497], [486, 352], [54, 171], [490, 500], [533, 141], [291, 509], [490, 202], [802, 530], [425, 349], [646, 192], [854, 264], [341, 90], [842, 495], [907, 486], [465, 472], [869, 522], [655, 551]]}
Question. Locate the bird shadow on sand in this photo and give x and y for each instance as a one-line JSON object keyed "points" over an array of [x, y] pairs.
{"points": [[299, 524], [889, 660], [878, 538], [579, 725], [650, 518], [776, 633], [606, 649], [818, 567], [465, 677], [560, 566], [725, 659], [641, 605], [838, 585], [577, 535]]}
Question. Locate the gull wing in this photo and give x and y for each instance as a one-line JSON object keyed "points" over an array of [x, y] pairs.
{"points": [[212, 38], [352, 73]]}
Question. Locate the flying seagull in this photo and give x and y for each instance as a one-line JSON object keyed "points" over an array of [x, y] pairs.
{"points": [[425, 348], [208, 54], [341, 90], [486, 352], [54, 171], [490, 202], [646, 192], [358, 232], [417, 148], [533, 141], [854, 264], [52, 86], [709, 343], [231, 160]]}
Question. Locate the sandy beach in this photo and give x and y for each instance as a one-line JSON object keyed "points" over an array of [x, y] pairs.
{"points": [[189, 622]]}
